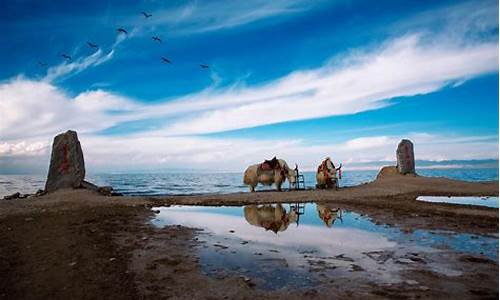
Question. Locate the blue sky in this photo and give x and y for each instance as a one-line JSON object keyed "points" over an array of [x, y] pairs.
{"points": [[298, 79]]}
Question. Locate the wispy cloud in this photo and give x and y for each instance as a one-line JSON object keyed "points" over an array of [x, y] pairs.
{"points": [[152, 152], [206, 16], [357, 81], [361, 81], [67, 69]]}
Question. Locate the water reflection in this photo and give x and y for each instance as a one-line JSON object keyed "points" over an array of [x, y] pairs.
{"points": [[276, 218], [328, 214], [481, 201], [270, 217], [258, 241]]}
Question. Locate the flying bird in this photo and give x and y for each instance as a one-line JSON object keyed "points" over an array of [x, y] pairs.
{"points": [[155, 38], [146, 15], [92, 45], [121, 30], [165, 60], [42, 64], [204, 66], [66, 56]]}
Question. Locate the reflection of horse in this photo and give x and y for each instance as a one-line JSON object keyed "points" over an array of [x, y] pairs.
{"points": [[270, 217], [328, 215]]}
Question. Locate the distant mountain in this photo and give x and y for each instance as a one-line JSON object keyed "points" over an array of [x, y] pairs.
{"points": [[430, 164]]}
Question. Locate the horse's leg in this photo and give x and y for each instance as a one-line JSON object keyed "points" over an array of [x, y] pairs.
{"points": [[252, 188], [278, 186]]}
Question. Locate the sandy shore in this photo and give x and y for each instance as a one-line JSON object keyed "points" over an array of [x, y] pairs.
{"points": [[80, 245]]}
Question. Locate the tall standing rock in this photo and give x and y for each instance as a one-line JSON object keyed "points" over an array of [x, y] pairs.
{"points": [[67, 168], [405, 157]]}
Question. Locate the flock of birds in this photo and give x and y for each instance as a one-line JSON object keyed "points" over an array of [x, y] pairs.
{"points": [[122, 31]]}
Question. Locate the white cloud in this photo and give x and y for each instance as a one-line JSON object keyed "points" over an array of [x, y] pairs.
{"points": [[360, 82], [206, 16], [402, 67], [31, 112], [159, 153], [36, 108], [24, 148], [67, 69]]}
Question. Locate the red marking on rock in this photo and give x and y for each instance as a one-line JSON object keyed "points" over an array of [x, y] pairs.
{"points": [[65, 164]]}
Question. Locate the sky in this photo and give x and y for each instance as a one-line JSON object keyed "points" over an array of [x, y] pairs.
{"points": [[298, 79]]}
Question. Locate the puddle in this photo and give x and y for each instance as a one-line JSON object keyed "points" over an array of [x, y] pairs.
{"points": [[304, 245], [482, 201]]}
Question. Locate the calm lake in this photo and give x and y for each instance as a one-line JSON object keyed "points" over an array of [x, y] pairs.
{"points": [[203, 183]]}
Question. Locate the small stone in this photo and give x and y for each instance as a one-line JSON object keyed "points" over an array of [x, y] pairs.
{"points": [[356, 268], [105, 190], [40, 193], [310, 293], [13, 196], [231, 231], [248, 281], [411, 282], [112, 259], [474, 259], [404, 261], [72, 264]]}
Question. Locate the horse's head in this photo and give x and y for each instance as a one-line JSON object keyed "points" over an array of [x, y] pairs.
{"points": [[286, 172]]}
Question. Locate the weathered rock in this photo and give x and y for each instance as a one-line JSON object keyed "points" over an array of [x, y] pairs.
{"points": [[13, 196], [67, 168], [105, 190], [40, 192], [89, 186], [387, 171], [405, 157]]}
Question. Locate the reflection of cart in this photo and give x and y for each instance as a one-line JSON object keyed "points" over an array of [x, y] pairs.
{"points": [[299, 180], [299, 209]]}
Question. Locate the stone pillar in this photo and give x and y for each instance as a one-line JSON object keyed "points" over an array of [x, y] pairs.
{"points": [[67, 168], [405, 157]]}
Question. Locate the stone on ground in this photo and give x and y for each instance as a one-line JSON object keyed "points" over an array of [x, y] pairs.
{"points": [[67, 168], [405, 157]]}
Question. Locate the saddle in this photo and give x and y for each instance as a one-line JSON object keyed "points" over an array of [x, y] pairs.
{"points": [[269, 165], [323, 168]]}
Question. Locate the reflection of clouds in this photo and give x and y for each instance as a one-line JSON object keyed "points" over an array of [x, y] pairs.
{"points": [[298, 248], [326, 241]]}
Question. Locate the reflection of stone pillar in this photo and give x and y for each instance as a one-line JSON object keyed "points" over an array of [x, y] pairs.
{"points": [[405, 157], [67, 168]]}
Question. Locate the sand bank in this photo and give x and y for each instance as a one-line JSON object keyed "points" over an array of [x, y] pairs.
{"points": [[78, 244]]}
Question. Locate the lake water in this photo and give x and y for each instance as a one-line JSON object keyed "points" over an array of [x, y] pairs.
{"points": [[203, 183], [481, 201], [300, 245]]}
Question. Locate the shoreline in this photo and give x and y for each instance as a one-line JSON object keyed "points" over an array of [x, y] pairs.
{"points": [[232, 188]]}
